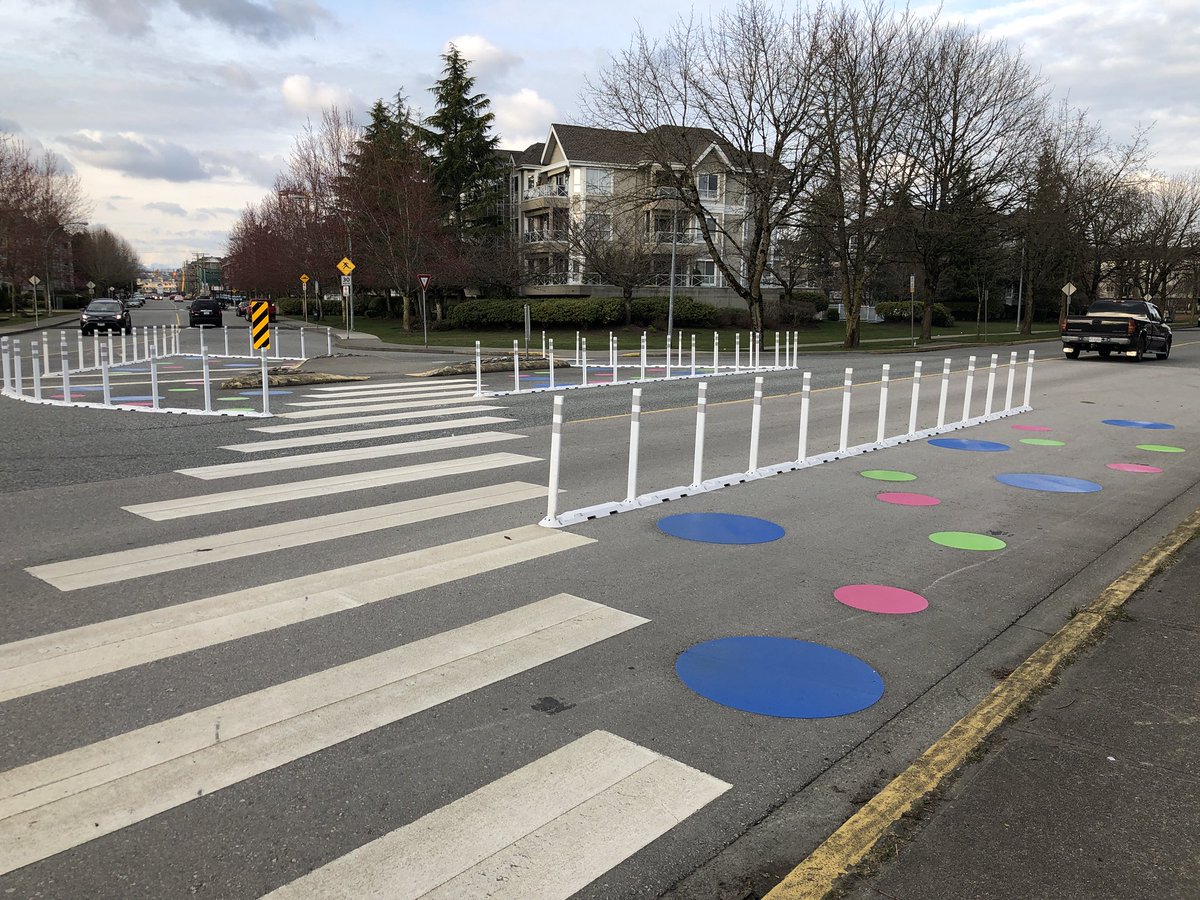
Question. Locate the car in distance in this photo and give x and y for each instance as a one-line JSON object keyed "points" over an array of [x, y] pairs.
{"points": [[105, 315], [243, 308], [1132, 327], [135, 302], [204, 312]]}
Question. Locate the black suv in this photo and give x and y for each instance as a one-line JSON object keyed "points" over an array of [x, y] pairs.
{"points": [[204, 312], [105, 315]]}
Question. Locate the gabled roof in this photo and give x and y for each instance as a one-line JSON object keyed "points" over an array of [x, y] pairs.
{"points": [[530, 156], [581, 144]]}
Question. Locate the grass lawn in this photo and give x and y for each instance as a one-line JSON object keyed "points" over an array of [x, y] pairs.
{"points": [[820, 336]]}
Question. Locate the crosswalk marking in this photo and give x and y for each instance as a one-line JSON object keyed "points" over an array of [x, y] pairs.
{"points": [[377, 385], [386, 397], [545, 831], [57, 803], [401, 390], [364, 434], [108, 568], [371, 420], [333, 457], [49, 661], [377, 407], [202, 504]]}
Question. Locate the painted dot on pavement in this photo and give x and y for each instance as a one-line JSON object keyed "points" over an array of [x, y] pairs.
{"points": [[967, 540], [880, 598], [967, 444], [1054, 484], [1134, 467], [237, 399], [240, 409], [902, 498], [1138, 423], [783, 677], [1032, 428], [1160, 448], [142, 399], [887, 475], [1042, 442], [720, 528], [182, 390]]}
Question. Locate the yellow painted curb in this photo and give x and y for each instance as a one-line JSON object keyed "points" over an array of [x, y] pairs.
{"points": [[849, 845]]}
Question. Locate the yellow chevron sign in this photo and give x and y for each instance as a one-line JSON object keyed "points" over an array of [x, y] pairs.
{"points": [[260, 324]]}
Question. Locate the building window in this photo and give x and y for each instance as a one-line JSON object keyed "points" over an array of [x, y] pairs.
{"points": [[599, 181], [709, 186], [704, 273], [598, 226]]}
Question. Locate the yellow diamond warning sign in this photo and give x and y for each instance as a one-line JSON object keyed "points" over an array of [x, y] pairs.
{"points": [[345, 266]]}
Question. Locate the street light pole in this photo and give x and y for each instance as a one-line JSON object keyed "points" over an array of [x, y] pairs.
{"points": [[62, 226]]}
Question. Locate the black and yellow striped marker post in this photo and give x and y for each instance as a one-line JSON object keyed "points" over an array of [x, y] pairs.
{"points": [[260, 324]]}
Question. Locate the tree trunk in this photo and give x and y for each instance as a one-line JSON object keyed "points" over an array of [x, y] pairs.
{"points": [[1027, 313], [406, 314], [927, 319], [628, 298]]}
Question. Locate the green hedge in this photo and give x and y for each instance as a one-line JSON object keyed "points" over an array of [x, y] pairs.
{"points": [[899, 311], [568, 312]]}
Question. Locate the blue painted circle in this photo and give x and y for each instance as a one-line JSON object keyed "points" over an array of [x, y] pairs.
{"points": [[1054, 484], [720, 528], [274, 392], [775, 676], [121, 370], [965, 444], [1137, 423]]}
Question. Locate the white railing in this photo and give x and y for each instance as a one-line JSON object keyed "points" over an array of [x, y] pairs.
{"points": [[545, 190]]}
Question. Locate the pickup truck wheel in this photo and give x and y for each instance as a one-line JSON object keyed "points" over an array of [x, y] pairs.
{"points": [[1071, 352], [1166, 351], [1140, 350]]}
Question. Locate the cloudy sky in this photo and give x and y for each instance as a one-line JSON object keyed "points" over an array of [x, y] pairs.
{"points": [[177, 113]]}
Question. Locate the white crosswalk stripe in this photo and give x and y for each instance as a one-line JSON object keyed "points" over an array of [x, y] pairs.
{"points": [[374, 420], [546, 830], [377, 407], [376, 385], [399, 390], [66, 800], [381, 397], [342, 437], [341, 456], [107, 568], [52, 660]]}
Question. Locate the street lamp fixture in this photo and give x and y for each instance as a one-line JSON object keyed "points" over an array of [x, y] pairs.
{"points": [[62, 226]]}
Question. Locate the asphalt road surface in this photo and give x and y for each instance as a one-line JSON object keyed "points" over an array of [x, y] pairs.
{"points": [[334, 654]]}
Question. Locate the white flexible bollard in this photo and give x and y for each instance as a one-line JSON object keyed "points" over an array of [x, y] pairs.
{"points": [[679, 350], [755, 425], [881, 428], [225, 332], [64, 353], [556, 424], [716, 350], [777, 349], [278, 354], [146, 341], [543, 344], [642, 356], [203, 348], [970, 384], [668, 368], [18, 375], [916, 398], [45, 354], [66, 369], [613, 356], [941, 419], [576, 362], [805, 395], [583, 363], [478, 371], [737, 353], [302, 356], [701, 414], [96, 349], [35, 364], [635, 415], [516, 368], [79, 344], [153, 383], [266, 385], [328, 341], [847, 385], [1012, 378], [987, 406], [108, 339], [124, 356], [106, 387], [207, 387], [551, 357], [693, 355], [1029, 380], [6, 362]]}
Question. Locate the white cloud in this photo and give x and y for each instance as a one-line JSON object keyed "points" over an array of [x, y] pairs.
{"points": [[487, 60], [303, 94], [522, 118], [170, 209], [136, 155]]}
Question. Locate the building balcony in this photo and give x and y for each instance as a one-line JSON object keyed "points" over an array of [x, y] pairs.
{"points": [[544, 195], [543, 236]]}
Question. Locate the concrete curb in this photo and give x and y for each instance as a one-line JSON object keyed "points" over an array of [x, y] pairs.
{"points": [[818, 875]]}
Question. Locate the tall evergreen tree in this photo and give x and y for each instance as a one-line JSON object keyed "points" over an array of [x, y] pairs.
{"points": [[466, 169]]}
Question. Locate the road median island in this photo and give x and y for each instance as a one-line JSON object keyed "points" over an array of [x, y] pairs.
{"points": [[822, 872]]}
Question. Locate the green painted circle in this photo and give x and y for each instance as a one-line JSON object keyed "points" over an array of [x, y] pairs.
{"points": [[1160, 448], [239, 409], [887, 475], [229, 399], [1043, 442], [967, 540], [183, 390]]}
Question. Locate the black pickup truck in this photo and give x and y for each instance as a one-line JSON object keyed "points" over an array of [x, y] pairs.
{"points": [[1131, 327]]}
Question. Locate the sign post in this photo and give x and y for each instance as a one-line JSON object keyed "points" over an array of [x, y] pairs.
{"points": [[304, 303], [424, 280], [1068, 289], [912, 309], [346, 267], [35, 281]]}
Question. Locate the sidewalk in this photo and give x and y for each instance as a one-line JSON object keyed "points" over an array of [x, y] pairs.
{"points": [[45, 323], [1092, 793]]}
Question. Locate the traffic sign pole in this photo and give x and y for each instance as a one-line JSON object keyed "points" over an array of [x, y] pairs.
{"points": [[424, 281]]}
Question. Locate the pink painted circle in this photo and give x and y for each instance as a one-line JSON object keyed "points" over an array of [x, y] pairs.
{"points": [[1134, 467], [880, 598], [902, 498], [1032, 428]]}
